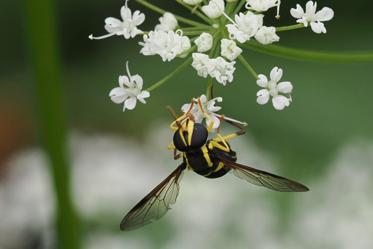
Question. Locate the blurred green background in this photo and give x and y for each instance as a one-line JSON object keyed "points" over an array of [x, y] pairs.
{"points": [[332, 103]]}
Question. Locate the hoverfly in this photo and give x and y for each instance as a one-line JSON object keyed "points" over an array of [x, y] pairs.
{"points": [[211, 158]]}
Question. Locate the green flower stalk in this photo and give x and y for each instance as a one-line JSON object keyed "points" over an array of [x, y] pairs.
{"points": [[46, 70]]}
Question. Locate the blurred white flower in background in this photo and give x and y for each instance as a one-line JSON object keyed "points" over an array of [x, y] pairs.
{"points": [[111, 174], [105, 240], [26, 201], [338, 212]]}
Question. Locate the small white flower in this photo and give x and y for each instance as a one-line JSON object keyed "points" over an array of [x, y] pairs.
{"points": [[208, 106], [127, 27], [167, 44], [204, 42], [203, 64], [261, 5], [274, 89], [192, 2], [229, 49], [222, 70], [129, 91], [245, 26], [312, 17], [214, 8], [167, 22], [267, 35]]}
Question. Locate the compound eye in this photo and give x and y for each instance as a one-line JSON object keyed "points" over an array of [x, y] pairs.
{"points": [[179, 141], [200, 135]]}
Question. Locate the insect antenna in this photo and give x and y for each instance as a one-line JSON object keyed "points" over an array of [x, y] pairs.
{"points": [[173, 114]]}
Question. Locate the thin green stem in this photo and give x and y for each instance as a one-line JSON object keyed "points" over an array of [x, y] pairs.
{"points": [[44, 58], [195, 32], [162, 11], [306, 55], [196, 28], [247, 66], [238, 8], [213, 52], [230, 7], [195, 12], [216, 39], [290, 27], [209, 90], [178, 70]]}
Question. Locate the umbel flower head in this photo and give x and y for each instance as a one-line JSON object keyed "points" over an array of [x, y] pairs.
{"points": [[213, 45]]}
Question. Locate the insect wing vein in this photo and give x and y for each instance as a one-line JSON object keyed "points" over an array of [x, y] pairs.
{"points": [[262, 178], [156, 203]]}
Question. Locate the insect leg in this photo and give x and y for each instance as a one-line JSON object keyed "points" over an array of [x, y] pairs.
{"points": [[177, 155]]}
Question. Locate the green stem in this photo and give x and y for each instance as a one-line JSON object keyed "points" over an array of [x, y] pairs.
{"points": [[230, 7], [196, 29], [195, 32], [290, 27], [306, 55], [195, 11], [248, 66], [238, 8], [213, 53], [162, 11], [170, 75], [43, 51], [209, 90]]}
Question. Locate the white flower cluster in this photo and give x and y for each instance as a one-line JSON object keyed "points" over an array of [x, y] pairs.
{"points": [[212, 48], [203, 109]]}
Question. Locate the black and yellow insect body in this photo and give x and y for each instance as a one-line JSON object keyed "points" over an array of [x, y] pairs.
{"points": [[211, 158], [197, 153]]}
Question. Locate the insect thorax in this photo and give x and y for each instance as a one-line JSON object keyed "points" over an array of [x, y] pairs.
{"points": [[204, 162]]}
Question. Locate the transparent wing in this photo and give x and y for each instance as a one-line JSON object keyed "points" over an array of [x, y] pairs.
{"points": [[262, 178], [156, 203]]}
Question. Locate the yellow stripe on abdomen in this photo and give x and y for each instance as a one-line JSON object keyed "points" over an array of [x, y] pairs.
{"points": [[207, 156]]}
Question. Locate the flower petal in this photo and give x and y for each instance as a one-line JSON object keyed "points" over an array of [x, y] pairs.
{"points": [[262, 80], [285, 87], [280, 102], [125, 81], [214, 119], [325, 14], [130, 103], [125, 13], [142, 96], [118, 95], [311, 8], [263, 97], [276, 74], [185, 107], [318, 27], [298, 12], [137, 79]]}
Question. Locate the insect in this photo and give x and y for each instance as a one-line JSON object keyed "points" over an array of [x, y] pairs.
{"points": [[211, 158]]}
